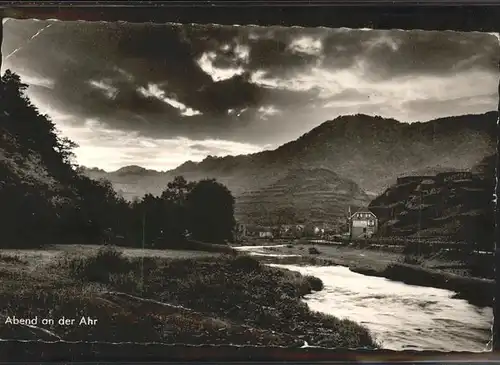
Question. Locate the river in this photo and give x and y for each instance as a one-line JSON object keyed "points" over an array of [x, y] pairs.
{"points": [[400, 316]]}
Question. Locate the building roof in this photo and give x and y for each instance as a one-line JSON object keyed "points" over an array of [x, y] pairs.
{"points": [[363, 210]]}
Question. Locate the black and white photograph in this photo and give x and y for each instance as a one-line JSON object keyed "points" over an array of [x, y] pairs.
{"points": [[247, 185]]}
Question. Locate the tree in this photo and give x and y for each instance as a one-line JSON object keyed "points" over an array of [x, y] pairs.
{"points": [[283, 216], [50, 199], [210, 209], [177, 190], [149, 220], [65, 148], [174, 213], [34, 131], [35, 173]]}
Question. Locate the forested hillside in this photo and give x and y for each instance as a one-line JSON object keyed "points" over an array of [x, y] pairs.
{"points": [[453, 205], [47, 200]]}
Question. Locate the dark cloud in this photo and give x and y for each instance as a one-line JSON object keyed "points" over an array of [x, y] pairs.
{"points": [[268, 47], [236, 92], [274, 56], [393, 53]]}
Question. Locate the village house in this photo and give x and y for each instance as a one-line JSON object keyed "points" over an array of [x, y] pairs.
{"points": [[362, 224], [318, 231], [299, 228], [252, 230], [454, 175], [266, 233], [285, 230], [311, 230]]}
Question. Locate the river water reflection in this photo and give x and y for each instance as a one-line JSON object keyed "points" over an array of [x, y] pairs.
{"points": [[400, 316]]}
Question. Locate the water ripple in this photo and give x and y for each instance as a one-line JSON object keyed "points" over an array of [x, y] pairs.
{"points": [[400, 316]]}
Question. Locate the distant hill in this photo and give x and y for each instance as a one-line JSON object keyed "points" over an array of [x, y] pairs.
{"points": [[369, 151], [455, 205], [372, 151], [135, 170], [131, 181], [303, 195]]}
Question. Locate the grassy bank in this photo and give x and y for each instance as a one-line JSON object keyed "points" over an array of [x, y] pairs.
{"points": [[207, 247], [226, 300], [298, 260]]}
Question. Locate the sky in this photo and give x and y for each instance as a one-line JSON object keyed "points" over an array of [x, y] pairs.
{"points": [[157, 95]]}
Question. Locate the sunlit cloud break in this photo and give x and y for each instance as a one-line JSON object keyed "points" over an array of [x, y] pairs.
{"points": [[111, 149]]}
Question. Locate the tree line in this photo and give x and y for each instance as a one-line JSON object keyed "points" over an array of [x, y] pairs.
{"points": [[46, 198]]}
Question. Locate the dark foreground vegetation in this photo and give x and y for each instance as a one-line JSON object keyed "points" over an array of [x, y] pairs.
{"points": [[229, 300]]}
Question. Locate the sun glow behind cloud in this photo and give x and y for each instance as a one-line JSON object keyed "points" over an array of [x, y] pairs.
{"points": [[393, 94], [217, 74], [154, 91], [111, 149], [307, 45], [207, 60]]}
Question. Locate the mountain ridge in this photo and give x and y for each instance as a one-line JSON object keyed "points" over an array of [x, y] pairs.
{"points": [[352, 126], [372, 151]]}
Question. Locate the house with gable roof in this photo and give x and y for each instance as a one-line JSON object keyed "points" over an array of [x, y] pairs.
{"points": [[362, 224]]}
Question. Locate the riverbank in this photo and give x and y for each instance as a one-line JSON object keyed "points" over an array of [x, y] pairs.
{"points": [[204, 300], [390, 265]]}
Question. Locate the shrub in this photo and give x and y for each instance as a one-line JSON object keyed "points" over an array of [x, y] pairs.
{"points": [[315, 283], [246, 263], [413, 260], [98, 267], [12, 259], [129, 282], [314, 251], [481, 266]]}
